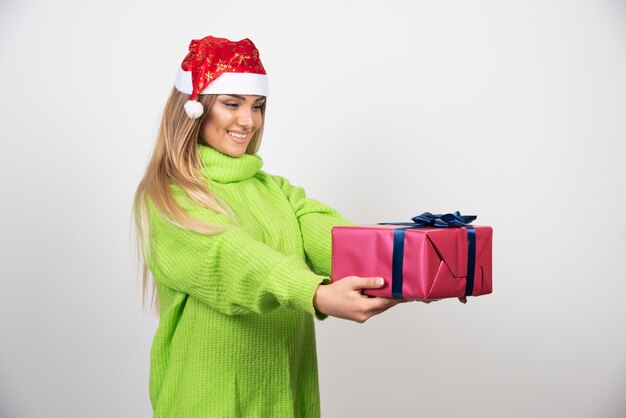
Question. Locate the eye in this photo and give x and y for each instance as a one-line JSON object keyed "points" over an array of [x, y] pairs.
{"points": [[258, 107], [232, 105]]}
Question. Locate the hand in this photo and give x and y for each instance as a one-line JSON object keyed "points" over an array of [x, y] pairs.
{"points": [[343, 299], [462, 299]]}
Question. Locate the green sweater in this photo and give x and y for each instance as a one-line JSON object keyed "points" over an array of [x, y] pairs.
{"points": [[236, 336]]}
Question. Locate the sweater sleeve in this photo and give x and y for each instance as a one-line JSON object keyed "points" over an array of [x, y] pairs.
{"points": [[316, 221], [230, 271]]}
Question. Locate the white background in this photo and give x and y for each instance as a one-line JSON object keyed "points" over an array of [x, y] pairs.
{"points": [[511, 110]]}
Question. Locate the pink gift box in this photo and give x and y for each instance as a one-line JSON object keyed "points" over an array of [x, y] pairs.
{"points": [[434, 261]]}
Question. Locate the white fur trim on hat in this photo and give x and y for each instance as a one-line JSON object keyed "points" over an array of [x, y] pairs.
{"points": [[226, 83]]}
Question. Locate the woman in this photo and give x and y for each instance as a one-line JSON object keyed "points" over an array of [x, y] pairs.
{"points": [[241, 258]]}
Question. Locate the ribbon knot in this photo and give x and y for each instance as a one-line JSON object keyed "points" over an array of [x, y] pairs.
{"points": [[447, 220]]}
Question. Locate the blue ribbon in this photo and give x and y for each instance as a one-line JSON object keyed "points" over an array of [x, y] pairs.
{"points": [[397, 263], [471, 260], [426, 219]]}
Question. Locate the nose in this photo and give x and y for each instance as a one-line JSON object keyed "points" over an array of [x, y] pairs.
{"points": [[245, 119]]}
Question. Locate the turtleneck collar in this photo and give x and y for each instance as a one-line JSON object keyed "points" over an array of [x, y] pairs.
{"points": [[222, 168]]}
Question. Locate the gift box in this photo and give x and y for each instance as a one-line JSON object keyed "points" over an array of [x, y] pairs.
{"points": [[427, 259]]}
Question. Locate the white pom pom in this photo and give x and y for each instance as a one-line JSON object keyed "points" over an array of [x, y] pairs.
{"points": [[194, 109]]}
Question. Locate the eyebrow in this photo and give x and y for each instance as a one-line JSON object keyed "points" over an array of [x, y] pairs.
{"points": [[237, 96]]}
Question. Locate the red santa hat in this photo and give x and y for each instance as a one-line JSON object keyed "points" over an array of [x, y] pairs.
{"points": [[219, 66]]}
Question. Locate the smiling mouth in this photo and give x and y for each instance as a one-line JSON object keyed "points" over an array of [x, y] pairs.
{"points": [[238, 137]]}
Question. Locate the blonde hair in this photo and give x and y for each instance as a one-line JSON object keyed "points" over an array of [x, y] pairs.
{"points": [[176, 159]]}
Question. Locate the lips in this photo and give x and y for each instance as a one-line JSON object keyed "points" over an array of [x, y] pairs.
{"points": [[238, 137]]}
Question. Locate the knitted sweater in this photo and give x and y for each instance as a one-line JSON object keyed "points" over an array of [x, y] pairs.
{"points": [[236, 336]]}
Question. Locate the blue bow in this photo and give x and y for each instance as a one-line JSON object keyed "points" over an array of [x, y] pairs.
{"points": [[448, 220]]}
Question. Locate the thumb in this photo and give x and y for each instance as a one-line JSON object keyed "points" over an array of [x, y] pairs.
{"points": [[367, 282]]}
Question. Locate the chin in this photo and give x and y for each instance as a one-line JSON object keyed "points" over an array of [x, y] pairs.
{"points": [[236, 152]]}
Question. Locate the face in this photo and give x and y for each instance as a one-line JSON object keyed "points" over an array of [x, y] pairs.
{"points": [[231, 123]]}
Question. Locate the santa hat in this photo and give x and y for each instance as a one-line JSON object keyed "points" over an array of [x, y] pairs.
{"points": [[219, 66]]}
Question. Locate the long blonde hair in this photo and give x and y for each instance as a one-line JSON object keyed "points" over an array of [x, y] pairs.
{"points": [[176, 159]]}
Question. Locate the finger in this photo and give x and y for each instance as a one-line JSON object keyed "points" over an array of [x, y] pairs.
{"points": [[377, 312], [376, 303], [367, 282], [396, 300], [383, 309]]}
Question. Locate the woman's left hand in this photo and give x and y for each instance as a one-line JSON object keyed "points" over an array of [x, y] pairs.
{"points": [[462, 299]]}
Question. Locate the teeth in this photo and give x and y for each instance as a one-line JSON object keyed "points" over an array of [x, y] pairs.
{"points": [[236, 135]]}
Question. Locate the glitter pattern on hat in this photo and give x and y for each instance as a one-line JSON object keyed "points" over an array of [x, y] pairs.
{"points": [[210, 57]]}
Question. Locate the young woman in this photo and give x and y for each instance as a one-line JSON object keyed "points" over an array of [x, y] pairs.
{"points": [[241, 258]]}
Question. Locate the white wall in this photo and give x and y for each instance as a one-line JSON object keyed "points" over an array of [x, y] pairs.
{"points": [[513, 111]]}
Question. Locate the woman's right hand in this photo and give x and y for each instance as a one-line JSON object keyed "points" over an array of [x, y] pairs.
{"points": [[343, 299]]}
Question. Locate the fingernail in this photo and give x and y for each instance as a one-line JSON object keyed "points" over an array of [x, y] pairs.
{"points": [[380, 281]]}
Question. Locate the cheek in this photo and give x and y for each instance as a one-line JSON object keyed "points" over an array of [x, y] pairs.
{"points": [[212, 134], [220, 119], [215, 125], [258, 120], [208, 131]]}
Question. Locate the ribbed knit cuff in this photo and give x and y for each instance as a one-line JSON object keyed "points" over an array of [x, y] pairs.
{"points": [[319, 315], [302, 290]]}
